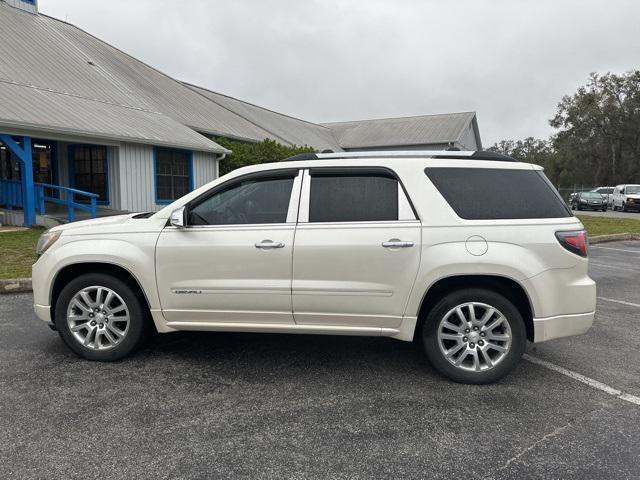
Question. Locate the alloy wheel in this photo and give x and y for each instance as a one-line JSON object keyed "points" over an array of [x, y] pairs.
{"points": [[98, 318], [474, 336]]}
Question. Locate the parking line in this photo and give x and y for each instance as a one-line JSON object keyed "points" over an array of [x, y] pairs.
{"points": [[586, 380], [621, 302], [614, 267], [637, 252]]}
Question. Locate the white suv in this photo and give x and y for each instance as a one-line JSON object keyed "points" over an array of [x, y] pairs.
{"points": [[469, 253]]}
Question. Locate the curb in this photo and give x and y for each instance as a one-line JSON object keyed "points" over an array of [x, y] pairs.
{"points": [[614, 237], [17, 285], [23, 285]]}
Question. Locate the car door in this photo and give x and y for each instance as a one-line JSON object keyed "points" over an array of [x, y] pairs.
{"points": [[232, 261], [357, 249], [617, 193]]}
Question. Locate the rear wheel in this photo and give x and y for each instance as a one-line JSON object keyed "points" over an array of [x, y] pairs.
{"points": [[474, 336], [100, 317]]}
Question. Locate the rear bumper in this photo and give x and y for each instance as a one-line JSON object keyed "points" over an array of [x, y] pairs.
{"points": [[561, 326]]}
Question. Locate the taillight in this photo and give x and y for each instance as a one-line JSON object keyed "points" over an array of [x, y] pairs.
{"points": [[576, 242]]}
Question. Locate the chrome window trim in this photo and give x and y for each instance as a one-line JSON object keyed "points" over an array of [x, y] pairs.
{"points": [[235, 226]]}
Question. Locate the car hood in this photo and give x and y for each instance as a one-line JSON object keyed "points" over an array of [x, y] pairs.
{"points": [[95, 222], [635, 196]]}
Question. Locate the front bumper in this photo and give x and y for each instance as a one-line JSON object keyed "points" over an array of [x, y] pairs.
{"points": [[43, 312], [561, 326]]}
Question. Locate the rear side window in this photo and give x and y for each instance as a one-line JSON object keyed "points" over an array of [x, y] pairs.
{"points": [[353, 198], [498, 194]]}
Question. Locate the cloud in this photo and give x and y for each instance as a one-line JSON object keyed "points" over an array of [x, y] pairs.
{"points": [[330, 60]]}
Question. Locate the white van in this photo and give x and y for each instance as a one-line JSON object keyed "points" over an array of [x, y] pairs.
{"points": [[626, 197]]}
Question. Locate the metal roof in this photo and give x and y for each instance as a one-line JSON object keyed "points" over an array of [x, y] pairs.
{"points": [[286, 129], [45, 111], [419, 130], [40, 51], [55, 77]]}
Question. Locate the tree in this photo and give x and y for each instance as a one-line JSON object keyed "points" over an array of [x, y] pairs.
{"points": [[599, 129], [598, 134], [245, 153], [530, 150]]}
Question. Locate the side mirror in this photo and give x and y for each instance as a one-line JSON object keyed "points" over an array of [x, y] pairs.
{"points": [[177, 218]]}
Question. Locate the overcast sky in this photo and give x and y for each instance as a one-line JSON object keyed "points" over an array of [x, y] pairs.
{"points": [[329, 60]]}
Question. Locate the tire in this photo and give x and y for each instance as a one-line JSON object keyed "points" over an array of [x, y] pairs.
{"points": [[604, 209], [502, 362], [624, 207], [573, 207], [107, 345]]}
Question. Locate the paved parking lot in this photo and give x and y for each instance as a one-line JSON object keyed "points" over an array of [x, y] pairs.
{"points": [[273, 406]]}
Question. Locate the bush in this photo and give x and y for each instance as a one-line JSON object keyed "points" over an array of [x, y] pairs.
{"points": [[255, 153]]}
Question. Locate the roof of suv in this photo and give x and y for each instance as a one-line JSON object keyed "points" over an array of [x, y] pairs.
{"points": [[449, 154]]}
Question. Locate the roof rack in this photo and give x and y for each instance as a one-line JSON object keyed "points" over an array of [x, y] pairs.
{"points": [[451, 154]]}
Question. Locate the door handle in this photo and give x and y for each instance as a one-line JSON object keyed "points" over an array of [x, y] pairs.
{"points": [[269, 245], [395, 243]]}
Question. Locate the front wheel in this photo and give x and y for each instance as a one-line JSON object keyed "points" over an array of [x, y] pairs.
{"points": [[474, 336], [100, 317]]}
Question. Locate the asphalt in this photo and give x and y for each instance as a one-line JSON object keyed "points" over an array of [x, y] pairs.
{"points": [[194, 405], [609, 214]]}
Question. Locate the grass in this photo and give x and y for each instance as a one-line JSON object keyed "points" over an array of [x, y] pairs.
{"points": [[606, 226], [18, 252]]}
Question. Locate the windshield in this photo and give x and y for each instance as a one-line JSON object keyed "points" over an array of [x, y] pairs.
{"points": [[592, 196], [632, 189]]}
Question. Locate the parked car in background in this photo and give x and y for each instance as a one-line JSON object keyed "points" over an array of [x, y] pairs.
{"points": [[589, 201], [626, 197], [571, 197], [607, 192], [407, 246]]}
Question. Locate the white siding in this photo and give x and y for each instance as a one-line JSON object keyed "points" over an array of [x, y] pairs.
{"points": [[24, 5], [205, 168], [137, 191]]}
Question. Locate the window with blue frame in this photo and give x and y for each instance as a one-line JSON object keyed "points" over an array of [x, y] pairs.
{"points": [[30, 2], [174, 178]]}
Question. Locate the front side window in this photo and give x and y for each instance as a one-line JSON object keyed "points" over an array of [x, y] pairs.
{"points": [[249, 201], [173, 175], [353, 198]]}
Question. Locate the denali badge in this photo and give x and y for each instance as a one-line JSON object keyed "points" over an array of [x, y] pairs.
{"points": [[196, 292]]}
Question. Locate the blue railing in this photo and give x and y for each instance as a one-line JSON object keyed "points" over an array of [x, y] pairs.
{"points": [[11, 197]]}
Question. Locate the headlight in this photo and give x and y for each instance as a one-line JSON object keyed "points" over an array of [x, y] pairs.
{"points": [[46, 240]]}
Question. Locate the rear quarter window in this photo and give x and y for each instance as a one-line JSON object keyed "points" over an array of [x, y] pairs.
{"points": [[498, 194]]}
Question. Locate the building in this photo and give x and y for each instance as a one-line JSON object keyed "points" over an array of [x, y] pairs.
{"points": [[86, 126]]}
